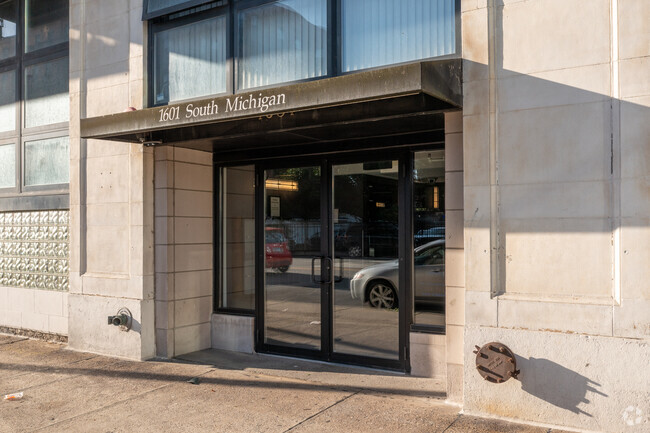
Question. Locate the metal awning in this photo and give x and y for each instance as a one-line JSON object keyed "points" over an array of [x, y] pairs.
{"points": [[404, 100]]}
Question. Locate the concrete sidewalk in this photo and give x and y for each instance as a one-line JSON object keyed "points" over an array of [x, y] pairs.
{"points": [[81, 392]]}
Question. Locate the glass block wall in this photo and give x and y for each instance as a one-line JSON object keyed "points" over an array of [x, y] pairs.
{"points": [[34, 249]]}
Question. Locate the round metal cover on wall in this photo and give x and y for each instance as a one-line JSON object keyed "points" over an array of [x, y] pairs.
{"points": [[495, 362]]}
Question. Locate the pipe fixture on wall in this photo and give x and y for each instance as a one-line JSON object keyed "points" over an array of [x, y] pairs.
{"points": [[123, 319]]}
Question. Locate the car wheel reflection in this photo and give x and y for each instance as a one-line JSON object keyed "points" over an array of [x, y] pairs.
{"points": [[381, 294]]}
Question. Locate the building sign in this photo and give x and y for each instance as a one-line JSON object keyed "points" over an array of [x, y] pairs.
{"points": [[241, 104]]}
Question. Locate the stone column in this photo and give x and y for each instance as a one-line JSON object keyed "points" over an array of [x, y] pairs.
{"points": [[454, 255], [111, 185], [183, 215]]}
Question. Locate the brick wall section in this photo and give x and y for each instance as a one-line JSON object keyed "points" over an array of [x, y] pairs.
{"points": [[183, 239]]}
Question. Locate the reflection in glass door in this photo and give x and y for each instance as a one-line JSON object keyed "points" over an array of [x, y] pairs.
{"points": [[292, 229], [365, 220]]}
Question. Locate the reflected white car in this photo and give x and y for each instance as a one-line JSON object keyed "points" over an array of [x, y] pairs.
{"points": [[378, 284]]}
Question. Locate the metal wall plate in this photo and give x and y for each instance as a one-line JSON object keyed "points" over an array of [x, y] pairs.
{"points": [[495, 362]]}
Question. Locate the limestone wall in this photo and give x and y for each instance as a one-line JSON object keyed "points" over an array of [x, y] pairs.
{"points": [[184, 250], [556, 207], [111, 184], [454, 256]]}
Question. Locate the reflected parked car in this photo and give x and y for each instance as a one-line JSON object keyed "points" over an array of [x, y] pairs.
{"points": [[278, 254], [378, 284]]}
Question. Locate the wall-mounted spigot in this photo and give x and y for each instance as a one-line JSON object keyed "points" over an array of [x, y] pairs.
{"points": [[123, 319], [119, 320]]}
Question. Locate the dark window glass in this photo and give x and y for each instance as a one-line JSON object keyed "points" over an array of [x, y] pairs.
{"points": [[376, 33], [47, 23], [154, 6], [32, 115], [292, 308], [8, 164], [46, 93], [282, 41], [429, 230], [8, 20], [238, 238], [366, 238], [190, 61], [7, 101]]}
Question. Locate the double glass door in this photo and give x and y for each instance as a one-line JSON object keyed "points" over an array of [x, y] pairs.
{"points": [[330, 257]]}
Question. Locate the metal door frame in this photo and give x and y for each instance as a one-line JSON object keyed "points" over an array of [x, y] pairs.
{"points": [[405, 253]]}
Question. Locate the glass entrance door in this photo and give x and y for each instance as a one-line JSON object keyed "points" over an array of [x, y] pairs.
{"points": [[331, 269], [292, 247], [365, 219]]}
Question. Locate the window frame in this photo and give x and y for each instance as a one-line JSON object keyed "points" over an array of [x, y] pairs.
{"points": [[22, 197], [17, 80], [23, 102], [219, 224], [160, 21], [332, 67], [416, 327], [19, 35], [54, 187], [163, 24], [455, 55], [188, 4], [23, 27]]}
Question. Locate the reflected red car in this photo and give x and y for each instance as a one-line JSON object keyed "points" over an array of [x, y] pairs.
{"points": [[278, 254]]}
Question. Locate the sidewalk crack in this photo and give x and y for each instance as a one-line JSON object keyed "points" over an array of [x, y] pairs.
{"points": [[452, 423], [322, 410], [101, 408]]}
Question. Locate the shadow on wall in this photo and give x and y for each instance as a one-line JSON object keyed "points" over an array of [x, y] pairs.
{"points": [[556, 384], [572, 172], [569, 192]]}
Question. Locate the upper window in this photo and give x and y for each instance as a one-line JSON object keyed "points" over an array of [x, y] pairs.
{"points": [[47, 23], [46, 93], [395, 31], [34, 101], [7, 101], [182, 52], [198, 52], [282, 41], [8, 20], [190, 54]]}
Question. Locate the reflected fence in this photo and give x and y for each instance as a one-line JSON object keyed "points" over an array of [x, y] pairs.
{"points": [[372, 239]]}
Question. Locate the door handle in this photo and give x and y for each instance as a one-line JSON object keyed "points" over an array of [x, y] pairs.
{"points": [[313, 277], [330, 270]]}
